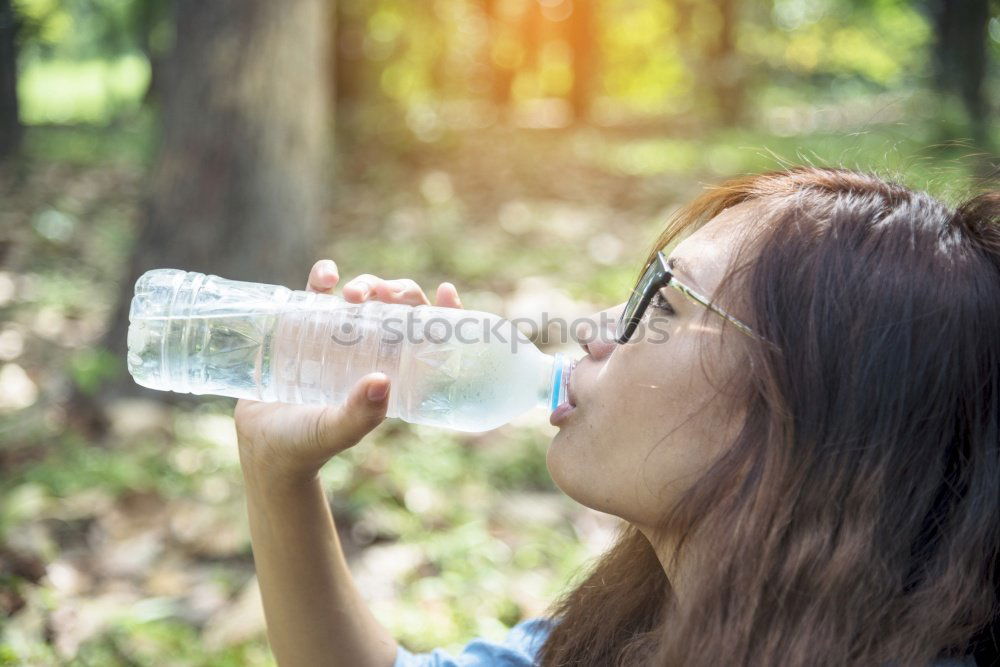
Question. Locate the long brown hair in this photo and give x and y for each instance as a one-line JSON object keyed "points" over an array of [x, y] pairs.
{"points": [[855, 519]]}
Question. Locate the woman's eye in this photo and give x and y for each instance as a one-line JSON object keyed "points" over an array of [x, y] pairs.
{"points": [[661, 304]]}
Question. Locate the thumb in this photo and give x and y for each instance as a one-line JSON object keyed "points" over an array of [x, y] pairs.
{"points": [[364, 409]]}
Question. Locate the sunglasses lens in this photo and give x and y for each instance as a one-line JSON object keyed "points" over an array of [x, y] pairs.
{"points": [[631, 313]]}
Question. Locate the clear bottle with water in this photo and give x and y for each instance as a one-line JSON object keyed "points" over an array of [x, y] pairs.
{"points": [[460, 369]]}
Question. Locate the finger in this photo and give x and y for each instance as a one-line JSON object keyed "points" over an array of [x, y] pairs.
{"points": [[403, 291], [323, 276], [364, 409], [361, 288], [447, 296]]}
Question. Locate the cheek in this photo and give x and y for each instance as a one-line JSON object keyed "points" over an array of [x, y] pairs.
{"points": [[634, 451], [597, 457]]}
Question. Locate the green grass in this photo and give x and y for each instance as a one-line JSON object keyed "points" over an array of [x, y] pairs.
{"points": [[129, 143]]}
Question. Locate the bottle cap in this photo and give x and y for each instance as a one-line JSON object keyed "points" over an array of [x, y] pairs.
{"points": [[561, 368]]}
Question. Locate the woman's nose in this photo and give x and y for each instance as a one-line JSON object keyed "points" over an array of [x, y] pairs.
{"points": [[596, 334]]}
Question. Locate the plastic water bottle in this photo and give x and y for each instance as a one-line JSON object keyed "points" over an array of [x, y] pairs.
{"points": [[461, 369]]}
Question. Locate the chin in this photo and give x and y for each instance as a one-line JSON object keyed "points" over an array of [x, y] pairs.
{"points": [[569, 470], [559, 461]]}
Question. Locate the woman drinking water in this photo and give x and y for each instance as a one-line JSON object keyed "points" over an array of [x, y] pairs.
{"points": [[807, 467]]}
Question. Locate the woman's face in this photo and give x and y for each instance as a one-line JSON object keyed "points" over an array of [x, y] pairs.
{"points": [[648, 419]]}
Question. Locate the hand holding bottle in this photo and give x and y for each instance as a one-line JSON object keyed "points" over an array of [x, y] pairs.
{"points": [[294, 441]]}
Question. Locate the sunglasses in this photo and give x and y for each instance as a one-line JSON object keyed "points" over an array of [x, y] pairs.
{"points": [[657, 275]]}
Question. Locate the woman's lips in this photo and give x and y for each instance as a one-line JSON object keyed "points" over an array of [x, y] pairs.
{"points": [[570, 398], [561, 413], [564, 409]]}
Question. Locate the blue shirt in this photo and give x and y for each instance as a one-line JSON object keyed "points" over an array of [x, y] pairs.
{"points": [[521, 646], [518, 649]]}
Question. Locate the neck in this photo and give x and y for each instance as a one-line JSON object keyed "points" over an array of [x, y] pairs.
{"points": [[677, 570]]}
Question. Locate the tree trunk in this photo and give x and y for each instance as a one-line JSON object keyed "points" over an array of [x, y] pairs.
{"points": [[502, 73], [10, 122], [349, 58], [723, 65], [712, 58], [583, 42], [237, 189], [531, 34], [146, 17], [960, 56]]}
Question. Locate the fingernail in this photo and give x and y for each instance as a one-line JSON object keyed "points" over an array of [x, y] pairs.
{"points": [[377, 392]]}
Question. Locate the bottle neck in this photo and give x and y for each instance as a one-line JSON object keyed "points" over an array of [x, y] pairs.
{"points": [[554, 380]]}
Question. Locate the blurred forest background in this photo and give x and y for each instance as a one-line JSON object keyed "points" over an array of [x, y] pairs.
{"points": [[526, 150]]}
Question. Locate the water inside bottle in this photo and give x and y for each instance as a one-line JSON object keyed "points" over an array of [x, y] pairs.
{"points": [[206, 335]]}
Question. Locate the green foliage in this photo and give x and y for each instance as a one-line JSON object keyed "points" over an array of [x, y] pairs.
{"points": [[88, 60], [884, 43], [90, 367], [73, 465], [85, 145], [165, 642], [88, 29], [8, 656], [82, 91]]}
